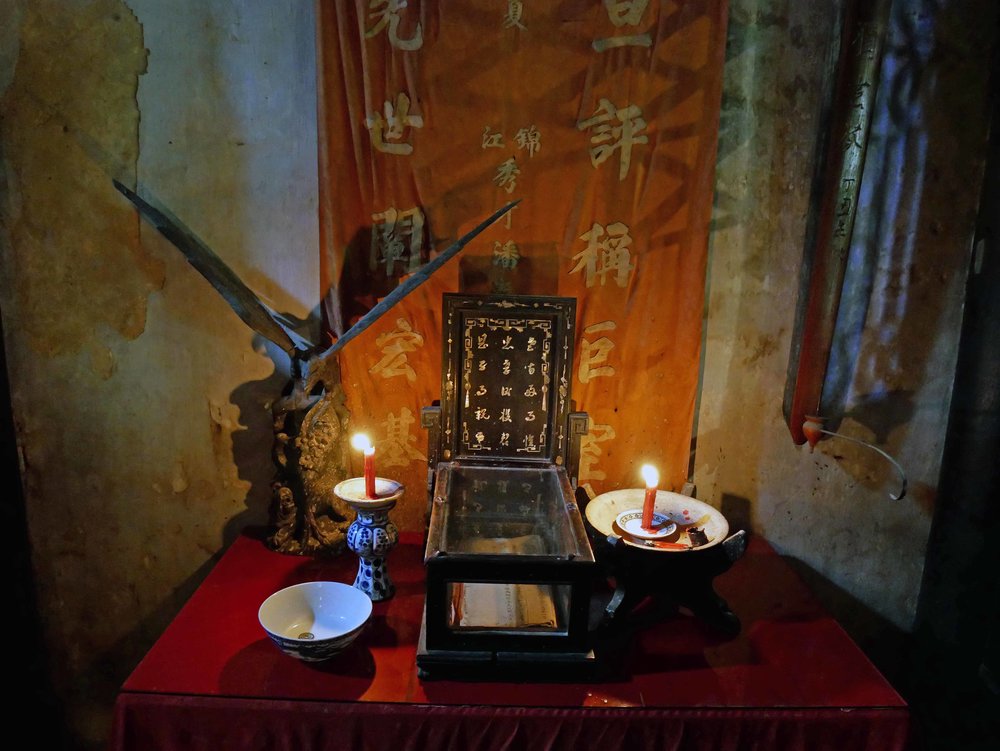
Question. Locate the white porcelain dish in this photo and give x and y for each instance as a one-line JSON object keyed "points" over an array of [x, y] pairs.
{"points": [[314, 621], [699, 525]]}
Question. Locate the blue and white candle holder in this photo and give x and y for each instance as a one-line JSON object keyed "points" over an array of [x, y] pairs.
{"points": [[372, 535]]}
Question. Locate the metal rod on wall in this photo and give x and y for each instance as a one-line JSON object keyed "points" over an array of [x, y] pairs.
{"points": [[857, 82], [813, 429]]}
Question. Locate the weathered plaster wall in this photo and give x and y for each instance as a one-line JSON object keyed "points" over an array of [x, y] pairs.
{"points": [[141, 400], [830, 510]]}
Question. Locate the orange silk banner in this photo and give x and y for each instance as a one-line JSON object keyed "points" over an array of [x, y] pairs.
{"points": [[602, 118]]}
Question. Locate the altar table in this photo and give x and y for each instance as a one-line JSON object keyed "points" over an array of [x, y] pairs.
{"points": [[792, 678]]}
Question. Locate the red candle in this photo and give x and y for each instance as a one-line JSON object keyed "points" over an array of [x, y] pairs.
{"points": [[652, 478], [370, 471], [361, 442]]}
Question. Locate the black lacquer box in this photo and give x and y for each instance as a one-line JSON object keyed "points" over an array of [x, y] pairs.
{"points": [[509, 563]]}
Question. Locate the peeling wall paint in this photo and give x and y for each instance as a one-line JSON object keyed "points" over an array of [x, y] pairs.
{"points": [[76, 283], [59, 143], [141, 400]]}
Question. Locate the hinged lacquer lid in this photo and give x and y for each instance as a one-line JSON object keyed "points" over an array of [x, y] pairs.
{"points": [[506, 377]]}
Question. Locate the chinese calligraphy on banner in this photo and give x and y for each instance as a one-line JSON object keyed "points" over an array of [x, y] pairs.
{"points": [[602, 117]]}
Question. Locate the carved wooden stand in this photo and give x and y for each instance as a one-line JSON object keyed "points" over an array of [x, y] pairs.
{"points": [[651, 586]]}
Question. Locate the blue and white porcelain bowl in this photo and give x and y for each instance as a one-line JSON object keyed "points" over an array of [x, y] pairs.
{"points": [[314, 621]]}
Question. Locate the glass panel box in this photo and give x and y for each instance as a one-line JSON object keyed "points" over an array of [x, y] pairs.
{"points": [[509, 564]]}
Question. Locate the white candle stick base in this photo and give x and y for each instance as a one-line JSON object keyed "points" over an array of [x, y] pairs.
{"points": [[371, 535]]}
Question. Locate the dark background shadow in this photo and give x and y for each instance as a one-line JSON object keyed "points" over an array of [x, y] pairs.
{"points": [[29, 664]]}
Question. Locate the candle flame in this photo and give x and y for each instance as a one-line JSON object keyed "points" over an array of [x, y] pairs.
{"points": [[361, 442], [650, 475]]}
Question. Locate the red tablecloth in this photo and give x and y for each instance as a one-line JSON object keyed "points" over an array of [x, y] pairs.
{"points": [[792, 678]]}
